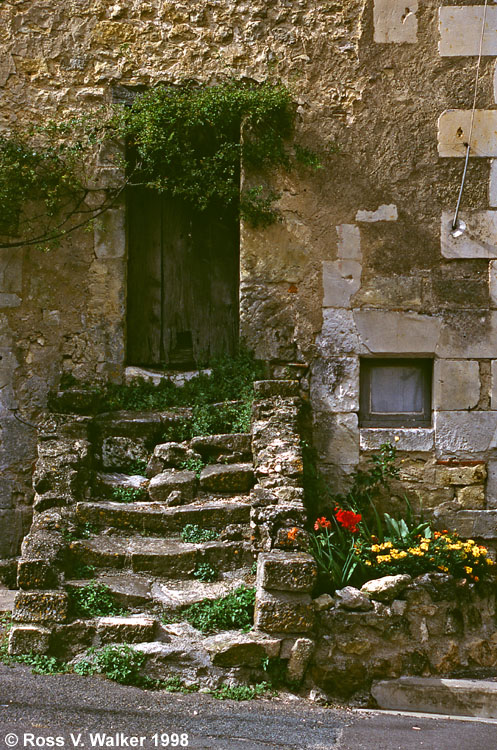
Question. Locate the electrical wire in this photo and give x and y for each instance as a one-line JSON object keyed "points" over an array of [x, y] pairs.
{"points": [[470, 135]]}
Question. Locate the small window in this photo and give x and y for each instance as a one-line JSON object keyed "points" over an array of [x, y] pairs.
{"points": [[395, 393]]}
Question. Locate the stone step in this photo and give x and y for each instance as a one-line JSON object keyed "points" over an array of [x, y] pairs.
{"points": [[166, 558], [138, 591], [438, 696], [105, 483], [157, 519]]}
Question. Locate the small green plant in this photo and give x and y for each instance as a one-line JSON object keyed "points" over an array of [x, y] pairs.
{"points": [[81, 531], [175, 684], [194, 534], [233, 611], [307, 157], [93, 600], [120, 663], [42, 664], [136, 467], [242, 692], [193, 464], [79, 570], [128, 494], [205, 572]]}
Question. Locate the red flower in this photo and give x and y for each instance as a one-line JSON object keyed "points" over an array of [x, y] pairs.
{"points": [[348, 519], [322, 523]]}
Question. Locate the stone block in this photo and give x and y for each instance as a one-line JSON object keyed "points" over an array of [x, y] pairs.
{"points": [[269, 388], [469, 335], [472, 497], [352, 598], [167, 456], [387, 588], [134, 629], [384, 212], [286, 571], [470, 524], [335, 384], [391, 332], [492, 184], [29, 639], [339, 334], [337, 438], [349, 242], [9, 300], [478, 241], [11, 271], [453, 132], [456, 384], [460, 30], [216, 445], [162, 485], [36, 574], [40, 606], [283, 613], [12, 525], [461, 475], [465, 434], [300, 656], [419, 439], [241, 649], [341, 280], [491, 489], [119, 452], [395, 22], [110, 234], [227, 478], [493, 391]]}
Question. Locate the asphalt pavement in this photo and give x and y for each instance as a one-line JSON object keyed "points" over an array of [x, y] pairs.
{"points": [[71, 711]]}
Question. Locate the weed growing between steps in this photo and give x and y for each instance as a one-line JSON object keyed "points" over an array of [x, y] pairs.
{"points": [[194, 534], [80, 571], [193, 464], [242, 692], [93, 600], [120, 663], [233, 611], [79, 531], [135, 468], [128, 494], [205, 572]]}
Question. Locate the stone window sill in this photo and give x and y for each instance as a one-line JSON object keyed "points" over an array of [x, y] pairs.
{"points": [[403, 438]]}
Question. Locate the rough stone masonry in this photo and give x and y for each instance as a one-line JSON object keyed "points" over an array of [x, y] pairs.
{"points": [[362, 264]]}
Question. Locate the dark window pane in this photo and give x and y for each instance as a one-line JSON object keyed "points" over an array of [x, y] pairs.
{"points": [[396, 390]]}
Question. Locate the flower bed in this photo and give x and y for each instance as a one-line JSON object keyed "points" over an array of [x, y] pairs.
{"points": [[354, 543]]}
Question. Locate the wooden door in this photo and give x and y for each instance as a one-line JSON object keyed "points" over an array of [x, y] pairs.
{"points": [[183, 282]]}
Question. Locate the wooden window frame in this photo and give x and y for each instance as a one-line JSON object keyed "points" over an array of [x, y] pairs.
{"points": [[394, 419]]}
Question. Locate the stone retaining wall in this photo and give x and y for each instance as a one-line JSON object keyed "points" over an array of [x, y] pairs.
{"points": [[432, 625]]}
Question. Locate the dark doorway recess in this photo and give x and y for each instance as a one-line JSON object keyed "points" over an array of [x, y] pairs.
{"points": [[183, 281]]}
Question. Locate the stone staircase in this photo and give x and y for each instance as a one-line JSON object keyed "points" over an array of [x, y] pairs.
{"points": [[114, 493]]}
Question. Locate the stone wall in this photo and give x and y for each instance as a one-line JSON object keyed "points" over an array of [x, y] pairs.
{"points": [[361, 264], [429, 626]]}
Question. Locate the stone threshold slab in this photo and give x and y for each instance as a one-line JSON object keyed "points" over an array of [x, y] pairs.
{"points": [[438, 696]]}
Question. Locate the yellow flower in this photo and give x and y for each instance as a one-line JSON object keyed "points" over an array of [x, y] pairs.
{"points": [[375, 548], [386, 545], [489, 561], [468, 569], [368, 562], [470, 542], [476, 552], [383, 558], [424, 546], [458, 545], [442, 567]]}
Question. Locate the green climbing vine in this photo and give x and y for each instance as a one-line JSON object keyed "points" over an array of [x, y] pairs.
{"points": [[186, 141]]}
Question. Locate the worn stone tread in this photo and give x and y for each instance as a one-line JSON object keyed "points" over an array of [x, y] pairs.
{"points": [[155, 518], [165, 557]]}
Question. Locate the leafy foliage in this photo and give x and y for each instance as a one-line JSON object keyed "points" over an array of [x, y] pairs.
{"points": [[128, 494], [235, 610], [184, 141], [242, 692], [121, 663], [187, 139], [193, 464], [192, 533], [93, 600], [42, 664], [205, 572], [355, 543]]}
